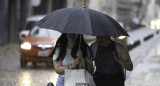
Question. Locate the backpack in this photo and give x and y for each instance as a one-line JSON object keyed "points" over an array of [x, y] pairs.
{"points": [[118, 46]]}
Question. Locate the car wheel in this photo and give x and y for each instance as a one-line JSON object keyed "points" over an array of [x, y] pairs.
{"points": [[23, 62]]}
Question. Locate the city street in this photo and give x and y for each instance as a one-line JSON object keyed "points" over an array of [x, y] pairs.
{"points": [[146, 60], [29, 30], [145, 57], [11, 74]]}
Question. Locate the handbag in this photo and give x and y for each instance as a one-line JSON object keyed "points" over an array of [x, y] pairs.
{"points": [[78, 77]]}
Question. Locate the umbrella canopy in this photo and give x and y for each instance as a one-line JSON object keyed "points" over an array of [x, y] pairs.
{"points": [[82, 21]]}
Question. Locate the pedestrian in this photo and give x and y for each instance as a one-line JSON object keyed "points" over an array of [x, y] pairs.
{"points": [[71, 52], [111, 58]]}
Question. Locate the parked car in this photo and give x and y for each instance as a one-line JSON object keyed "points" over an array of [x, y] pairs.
{"points": [[37, 46], [30, 22]]}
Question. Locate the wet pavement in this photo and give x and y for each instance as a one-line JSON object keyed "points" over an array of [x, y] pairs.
{"points": [[146, 60], [145, 57], [11, 74]]}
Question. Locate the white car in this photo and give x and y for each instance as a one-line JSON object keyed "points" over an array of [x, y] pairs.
{"points": [[30, 22]]}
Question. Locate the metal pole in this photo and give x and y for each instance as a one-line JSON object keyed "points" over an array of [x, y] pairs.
{"points": [[108, 6], [84, 6]]}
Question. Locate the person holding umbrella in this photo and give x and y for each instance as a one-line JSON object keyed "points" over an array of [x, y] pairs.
{"points": [[71, 52], [94, 23], [110, 58]]}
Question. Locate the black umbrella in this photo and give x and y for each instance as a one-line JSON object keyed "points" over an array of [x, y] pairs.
{"points": [[82, 21]]}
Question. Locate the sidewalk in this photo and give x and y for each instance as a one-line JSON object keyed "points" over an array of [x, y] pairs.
{"points": [[139, 34], [146, 60]]}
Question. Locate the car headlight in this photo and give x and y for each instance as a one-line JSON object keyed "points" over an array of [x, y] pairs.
{"points": [[26, 45]]}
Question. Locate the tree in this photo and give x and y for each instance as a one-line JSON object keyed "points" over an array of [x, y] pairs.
{"points": [[158, 2]]}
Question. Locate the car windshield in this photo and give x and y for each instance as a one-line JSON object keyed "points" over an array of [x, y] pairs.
{"points": [[29, 25], [42, 32]]}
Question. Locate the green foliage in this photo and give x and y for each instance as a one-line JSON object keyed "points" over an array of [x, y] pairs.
{"points": [[158, 2]]}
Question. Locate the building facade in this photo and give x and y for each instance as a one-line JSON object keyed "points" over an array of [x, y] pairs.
{"points": [[13, 14], [12, 17], [124, 11]]}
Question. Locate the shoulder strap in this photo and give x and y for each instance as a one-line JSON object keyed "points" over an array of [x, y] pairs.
{"points": [[118, 49], [94, 47]]}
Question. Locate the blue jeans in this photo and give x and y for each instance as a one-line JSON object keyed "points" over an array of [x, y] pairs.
{"points": [[60, 81]]}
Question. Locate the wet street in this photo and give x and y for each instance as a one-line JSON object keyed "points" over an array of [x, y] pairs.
{"points": [[11, 74], [145, 57], [146, 61]]}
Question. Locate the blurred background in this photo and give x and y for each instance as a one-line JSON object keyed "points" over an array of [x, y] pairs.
{"points": [[131, 13], [140, 18]]}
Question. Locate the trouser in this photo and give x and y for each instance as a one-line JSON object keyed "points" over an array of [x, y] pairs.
{"points": [[60, 81], [114, 79]]}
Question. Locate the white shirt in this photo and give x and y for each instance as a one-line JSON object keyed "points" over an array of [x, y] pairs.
{"points": [[68, 59]]}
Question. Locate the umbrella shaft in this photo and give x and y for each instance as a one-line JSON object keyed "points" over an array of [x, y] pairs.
{"points": [[80, 43]]}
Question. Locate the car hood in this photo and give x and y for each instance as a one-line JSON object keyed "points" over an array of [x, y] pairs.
{"points": [[41, 40]]}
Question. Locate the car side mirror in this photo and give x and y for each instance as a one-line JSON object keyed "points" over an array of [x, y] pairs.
{"points": [[24, 35]]}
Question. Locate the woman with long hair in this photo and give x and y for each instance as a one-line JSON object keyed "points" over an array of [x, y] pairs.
{"points": [[71, 52]]}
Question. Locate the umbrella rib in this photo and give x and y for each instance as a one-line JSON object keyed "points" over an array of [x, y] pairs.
{"points": [[82, 21], [68, 19], [89, 20]]}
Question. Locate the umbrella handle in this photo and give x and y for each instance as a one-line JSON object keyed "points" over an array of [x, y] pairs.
{"points": [[79, 48]]}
